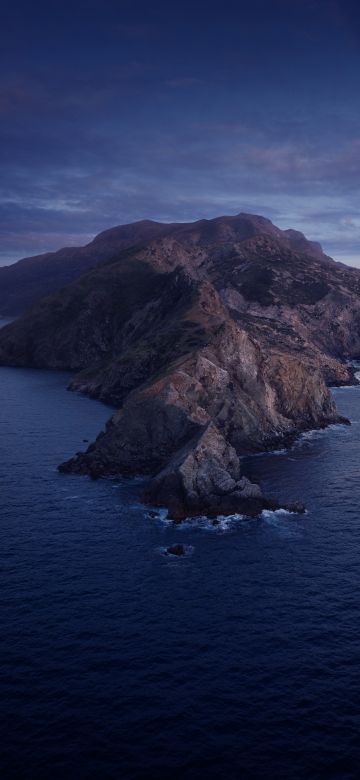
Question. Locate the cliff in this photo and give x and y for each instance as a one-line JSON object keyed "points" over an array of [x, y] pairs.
{"points": [[213, 339]]}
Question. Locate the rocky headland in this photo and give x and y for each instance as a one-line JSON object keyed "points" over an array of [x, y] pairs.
{"points": [[212, 339]]}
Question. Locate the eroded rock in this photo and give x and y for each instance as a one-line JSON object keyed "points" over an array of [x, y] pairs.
{"points": [[204, 478]]}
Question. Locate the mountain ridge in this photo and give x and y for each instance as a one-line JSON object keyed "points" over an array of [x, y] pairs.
{"points": [[25, 282]]}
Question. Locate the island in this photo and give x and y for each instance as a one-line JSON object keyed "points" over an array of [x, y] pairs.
{"points": [[212, 339]]}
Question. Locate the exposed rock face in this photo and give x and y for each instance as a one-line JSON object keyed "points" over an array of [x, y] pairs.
{"points": [[205, 478], [212, 339]]}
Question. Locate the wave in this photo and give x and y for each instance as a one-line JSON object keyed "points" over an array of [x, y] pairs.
{"points": [[315, 432], [219, 524], [261, 454], [270, 514]]}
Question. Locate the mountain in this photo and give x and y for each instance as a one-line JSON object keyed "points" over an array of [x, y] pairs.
{"points": [[27, 281], [212, 339], [24, 283]]}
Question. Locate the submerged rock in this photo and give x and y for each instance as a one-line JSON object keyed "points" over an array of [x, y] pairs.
{"points": [[176, 549], [297, 507]]}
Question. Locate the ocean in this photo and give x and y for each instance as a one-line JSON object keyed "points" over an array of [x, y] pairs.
{"points": [[239, 660]]}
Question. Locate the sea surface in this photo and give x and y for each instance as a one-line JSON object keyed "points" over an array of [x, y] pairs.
{"points": [[240, 660]]}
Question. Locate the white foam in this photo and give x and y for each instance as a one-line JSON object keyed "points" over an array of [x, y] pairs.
{"points": [[281, 523], [346, 387], [223, 523], [271, 513], [274, 514], [220, 524], [315, 432], [162, 515], [263, 453]]}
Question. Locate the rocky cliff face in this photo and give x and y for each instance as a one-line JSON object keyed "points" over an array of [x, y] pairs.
{"points": [[213, 339]]}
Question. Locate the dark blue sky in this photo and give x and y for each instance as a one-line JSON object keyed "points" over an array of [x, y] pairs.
{"points": [[117, 111]]}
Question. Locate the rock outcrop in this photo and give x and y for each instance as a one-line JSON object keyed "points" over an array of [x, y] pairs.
{"points": [[205, 478], [212, 339]]}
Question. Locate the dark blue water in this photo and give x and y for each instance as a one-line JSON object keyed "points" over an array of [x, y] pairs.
{"points": [[241, 660]]}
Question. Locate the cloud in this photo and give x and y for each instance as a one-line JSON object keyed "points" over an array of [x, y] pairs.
{"points": [[87, 150]]}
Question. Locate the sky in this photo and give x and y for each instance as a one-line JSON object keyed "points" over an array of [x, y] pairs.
{"points": [[116, 111]]}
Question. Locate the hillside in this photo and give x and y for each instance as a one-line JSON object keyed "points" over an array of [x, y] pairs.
{"points": [[24, 283]]}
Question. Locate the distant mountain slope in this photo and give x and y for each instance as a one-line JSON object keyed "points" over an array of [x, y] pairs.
{"points": [[213, 339], [27, 281]]}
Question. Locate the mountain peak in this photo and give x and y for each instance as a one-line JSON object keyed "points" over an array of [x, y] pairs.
{"points": [[25, 282]]}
